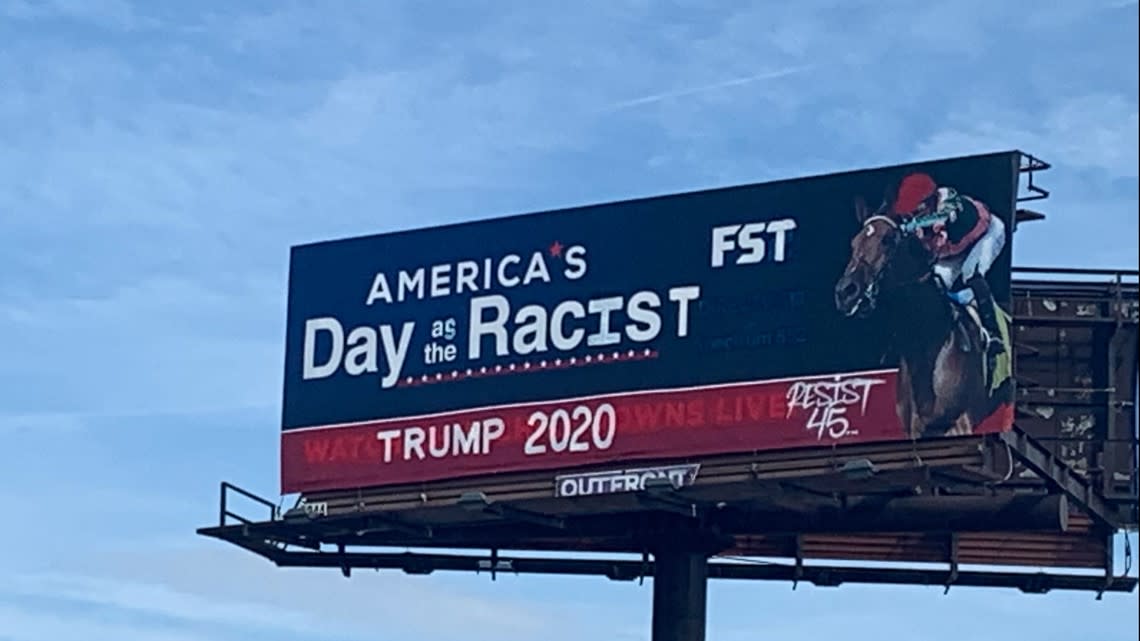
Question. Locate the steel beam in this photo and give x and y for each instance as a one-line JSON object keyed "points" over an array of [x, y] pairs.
{"points": [[680, 595], [1043, 463], [629, 570]]}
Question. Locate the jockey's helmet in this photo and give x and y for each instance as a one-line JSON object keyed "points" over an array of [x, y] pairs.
{"points": [[914, 189]]}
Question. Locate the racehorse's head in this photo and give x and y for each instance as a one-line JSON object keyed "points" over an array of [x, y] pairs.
{"points": [[881, 256]]}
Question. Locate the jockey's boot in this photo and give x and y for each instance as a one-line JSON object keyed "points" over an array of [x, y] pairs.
{"points": [[985, 304]]}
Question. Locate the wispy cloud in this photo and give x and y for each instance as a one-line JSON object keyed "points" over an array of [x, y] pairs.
{"points": [[690, 91]]}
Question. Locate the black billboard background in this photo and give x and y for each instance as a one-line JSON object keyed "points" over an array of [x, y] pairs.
{"points": [[764, 321]]}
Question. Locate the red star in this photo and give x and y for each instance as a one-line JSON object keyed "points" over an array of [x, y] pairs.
{"points": [[556, 249]]}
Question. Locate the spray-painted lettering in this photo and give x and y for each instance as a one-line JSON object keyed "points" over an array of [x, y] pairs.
{"points": [[827, 402]]}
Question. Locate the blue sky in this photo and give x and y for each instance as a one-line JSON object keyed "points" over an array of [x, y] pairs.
{"points": [[158, 158]]}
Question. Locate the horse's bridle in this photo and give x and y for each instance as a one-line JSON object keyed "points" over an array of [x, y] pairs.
{"points": [[894, 224], [867, 228], [881, 218], [875, 286]]}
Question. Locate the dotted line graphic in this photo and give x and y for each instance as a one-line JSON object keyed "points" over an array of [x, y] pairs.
{"points": [[528, 367]]}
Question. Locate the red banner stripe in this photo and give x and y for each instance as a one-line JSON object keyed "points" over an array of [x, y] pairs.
{"points": [[662, 424]]}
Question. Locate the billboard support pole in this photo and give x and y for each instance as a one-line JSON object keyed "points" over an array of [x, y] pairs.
{"points": [[680, 594]]}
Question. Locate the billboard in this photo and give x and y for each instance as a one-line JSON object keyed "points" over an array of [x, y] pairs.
{"points": [[861, 306]]}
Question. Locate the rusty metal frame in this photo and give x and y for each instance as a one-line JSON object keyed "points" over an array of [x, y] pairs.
{"points": [[1049, 467], [1112, 321]]}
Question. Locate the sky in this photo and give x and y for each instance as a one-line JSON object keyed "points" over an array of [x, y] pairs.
{"points": [[158, 158]]}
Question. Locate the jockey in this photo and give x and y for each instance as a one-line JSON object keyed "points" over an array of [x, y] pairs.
{"points": [[965, 238]]}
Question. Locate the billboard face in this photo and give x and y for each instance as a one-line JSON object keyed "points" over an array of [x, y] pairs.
{"points": [[832, 309]]}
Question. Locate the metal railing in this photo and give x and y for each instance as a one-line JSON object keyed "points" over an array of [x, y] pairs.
{"points": [[224, 501]]}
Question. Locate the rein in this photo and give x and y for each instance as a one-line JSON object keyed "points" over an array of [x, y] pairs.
{"points": [[881, 218], [893, 224]]}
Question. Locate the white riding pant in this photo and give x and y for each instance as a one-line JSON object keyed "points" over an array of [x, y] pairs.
{"points": [[976, 261]]}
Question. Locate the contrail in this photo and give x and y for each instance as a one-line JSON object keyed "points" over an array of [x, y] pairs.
{"points": [[645, 100]]}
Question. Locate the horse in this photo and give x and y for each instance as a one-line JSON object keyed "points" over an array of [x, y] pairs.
{"points": [[942, 387]]}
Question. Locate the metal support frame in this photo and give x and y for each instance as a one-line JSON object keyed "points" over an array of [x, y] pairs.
{"points": [[680, 595], [225, 513], [953, 577], [1045, 464], [380, 523], [1114, 403], [1114, 320], [1029, 165], [296, 543], [630, 570], [478, 502], [661, 495]]}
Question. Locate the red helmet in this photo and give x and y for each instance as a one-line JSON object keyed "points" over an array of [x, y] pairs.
{"points": [[913, 190]]}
